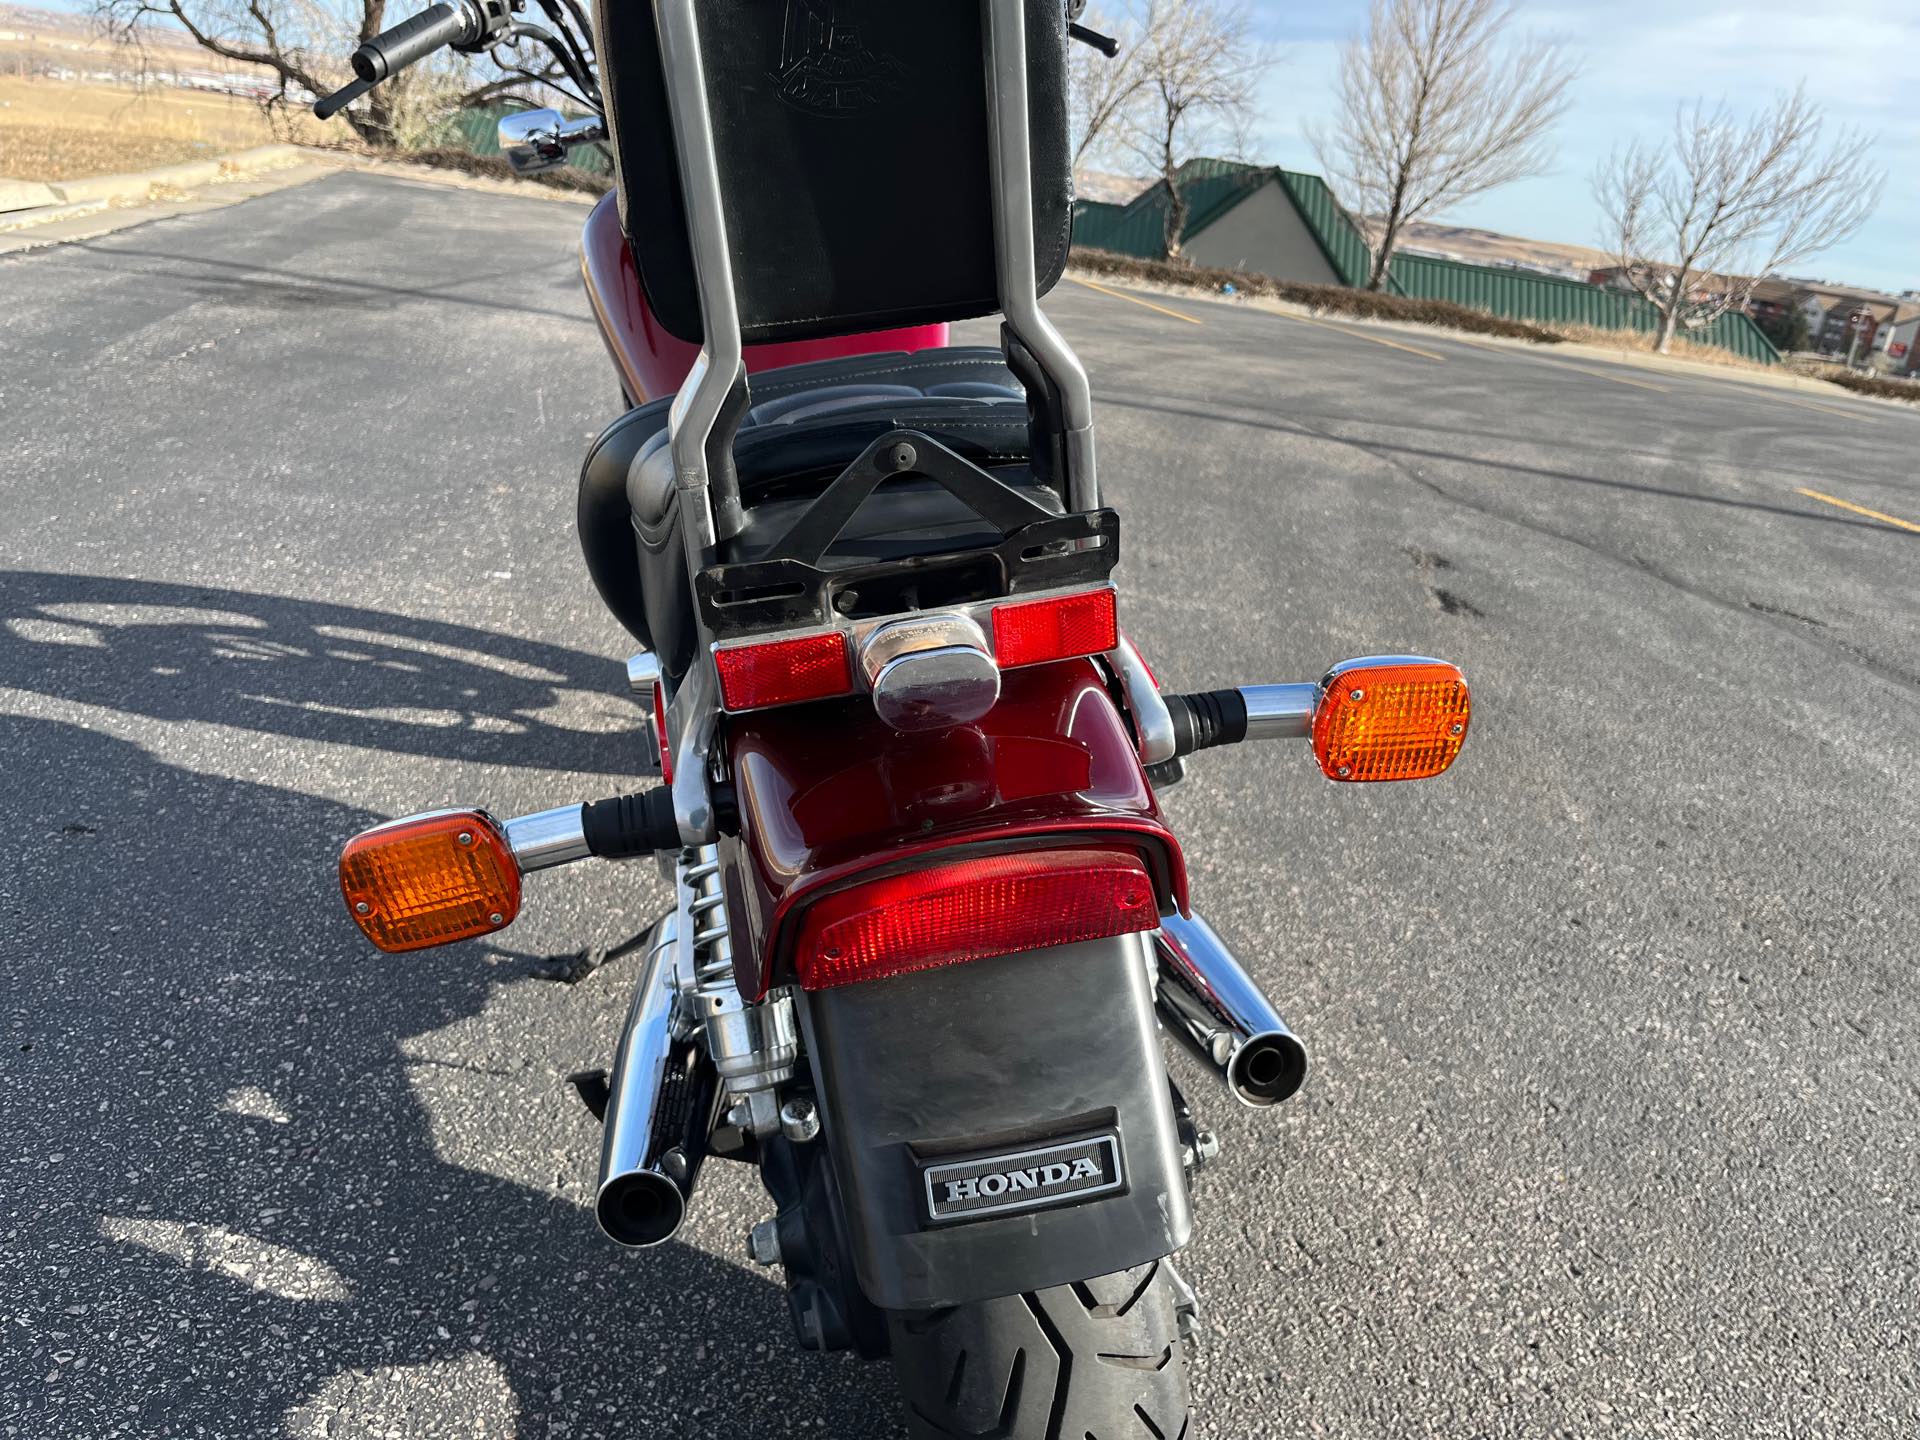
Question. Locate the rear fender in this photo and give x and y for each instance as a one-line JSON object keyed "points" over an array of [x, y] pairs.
{"points": [[828, 794], [1012, 1068]]}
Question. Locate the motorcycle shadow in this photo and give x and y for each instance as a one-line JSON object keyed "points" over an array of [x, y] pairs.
{"points": [[240, 1214], [312, 670]]}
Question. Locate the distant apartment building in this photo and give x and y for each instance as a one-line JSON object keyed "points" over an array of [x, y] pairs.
{"points": [[1885, 325]]}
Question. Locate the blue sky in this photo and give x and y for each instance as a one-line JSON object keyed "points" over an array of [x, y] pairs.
{"points": [[1860, 59]]}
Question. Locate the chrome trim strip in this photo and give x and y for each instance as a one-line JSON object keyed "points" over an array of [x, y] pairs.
{"points": [[548, 838], [643, 672], [692, 721], [1012, 168], [1151, 717], [1280, 712]]}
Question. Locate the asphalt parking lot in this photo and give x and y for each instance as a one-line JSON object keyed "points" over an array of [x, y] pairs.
{"points": [[1615, 1029]]}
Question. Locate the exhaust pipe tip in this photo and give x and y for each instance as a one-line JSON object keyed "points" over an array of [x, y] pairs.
{"points": [[640, 1208], [1267, 1069]]}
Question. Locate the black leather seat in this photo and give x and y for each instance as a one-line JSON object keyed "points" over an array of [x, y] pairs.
{"points": [[807, 422]]}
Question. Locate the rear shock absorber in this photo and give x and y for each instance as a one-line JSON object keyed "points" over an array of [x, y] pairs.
{"points": [[754, 1047]]}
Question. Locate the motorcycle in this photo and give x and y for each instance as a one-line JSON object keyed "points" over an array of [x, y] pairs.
{"points": [[931, 926]]}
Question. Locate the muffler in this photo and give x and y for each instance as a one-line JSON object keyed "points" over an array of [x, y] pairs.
{"points": [[1212, 1007], [659, 1110]]}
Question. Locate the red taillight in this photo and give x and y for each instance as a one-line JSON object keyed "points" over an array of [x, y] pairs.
{"points": [[970, 910], [1029, 632], [660, 731], [784, 672]]}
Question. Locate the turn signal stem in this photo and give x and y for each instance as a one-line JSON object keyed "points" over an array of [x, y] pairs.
{"points": [[1207, 718], [631, 825], [1381, 717], [620, 828]]}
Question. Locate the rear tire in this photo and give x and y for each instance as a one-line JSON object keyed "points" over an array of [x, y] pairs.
{"points": [[1100, 1359]]}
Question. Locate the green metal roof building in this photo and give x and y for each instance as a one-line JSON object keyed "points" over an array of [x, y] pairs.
{"points": [[1269, 221]]}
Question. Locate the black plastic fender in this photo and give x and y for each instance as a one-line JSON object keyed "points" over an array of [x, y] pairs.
{"points": [[1022, 1063]]}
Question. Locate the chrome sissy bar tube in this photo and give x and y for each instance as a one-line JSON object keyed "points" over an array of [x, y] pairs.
{"points": [[709, 512], [1009, 129], [707, 517]]}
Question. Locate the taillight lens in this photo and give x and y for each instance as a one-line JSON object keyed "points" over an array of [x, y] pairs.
{"points": [[970, 910], [784, 672], [1028, 632], [1404, 720], [430, 880], [660, 731]]}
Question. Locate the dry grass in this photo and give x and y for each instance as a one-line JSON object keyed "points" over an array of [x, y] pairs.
{"points": [[1683, 349], [1321, 299], [1878, 386], [493, 167], [57, 130]]}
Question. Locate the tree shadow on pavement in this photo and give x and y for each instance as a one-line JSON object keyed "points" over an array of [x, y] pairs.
{"points": [[308, 670], [232, 1215]]}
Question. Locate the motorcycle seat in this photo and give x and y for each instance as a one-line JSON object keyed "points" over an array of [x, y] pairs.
{"points": [[804, 424]]}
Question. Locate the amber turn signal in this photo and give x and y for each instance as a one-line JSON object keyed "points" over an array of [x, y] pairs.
{"points": [[1390, 718], [430, 880]]}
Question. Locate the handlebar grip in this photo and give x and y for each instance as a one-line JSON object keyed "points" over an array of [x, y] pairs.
{"points": [[329, 106], [391, 51]]}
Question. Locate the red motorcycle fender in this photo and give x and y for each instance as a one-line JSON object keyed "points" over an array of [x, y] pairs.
{"points": [[828, 793]]}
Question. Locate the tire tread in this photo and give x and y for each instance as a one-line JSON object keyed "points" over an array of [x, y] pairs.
{"points": [[1096, 1360]]}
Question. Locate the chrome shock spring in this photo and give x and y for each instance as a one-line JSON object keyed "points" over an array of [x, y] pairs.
{"points": [[754, 1047], [707, 913]]}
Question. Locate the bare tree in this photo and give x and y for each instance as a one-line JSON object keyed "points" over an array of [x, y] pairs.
{"points": [[305, 45], [1435, 108], [1200, 66], [1101, 87], [1697, 225]]}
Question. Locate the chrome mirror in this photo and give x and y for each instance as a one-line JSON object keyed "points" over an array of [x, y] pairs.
{"points": [[536, 140]]}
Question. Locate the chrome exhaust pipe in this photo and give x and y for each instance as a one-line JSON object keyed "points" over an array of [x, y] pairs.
{"points": [[1213, 1008], [659, 1111]]}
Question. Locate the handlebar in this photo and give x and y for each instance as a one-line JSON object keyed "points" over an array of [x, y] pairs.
{"points": [[391, 51]]}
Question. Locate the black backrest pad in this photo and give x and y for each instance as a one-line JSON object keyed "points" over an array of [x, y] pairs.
{"points": [[852, 137]]}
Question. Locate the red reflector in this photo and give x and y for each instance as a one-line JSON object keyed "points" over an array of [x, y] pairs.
{"points": [[1033, 631], [660, 731], [972, 909], [814, 667]]}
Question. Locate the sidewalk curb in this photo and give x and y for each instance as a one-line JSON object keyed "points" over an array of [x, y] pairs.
{"points": [[139, 186], [48, 214]]}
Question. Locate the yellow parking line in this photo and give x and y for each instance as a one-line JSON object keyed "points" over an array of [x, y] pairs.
{"points": [[1362, 335], [1862, 510], [1828, 410], [1122, 295]]}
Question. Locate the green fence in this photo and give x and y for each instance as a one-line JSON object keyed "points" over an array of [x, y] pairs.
{"points": [[1122, 229], [1212, 187], [1550, 300], [476, 131]]}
